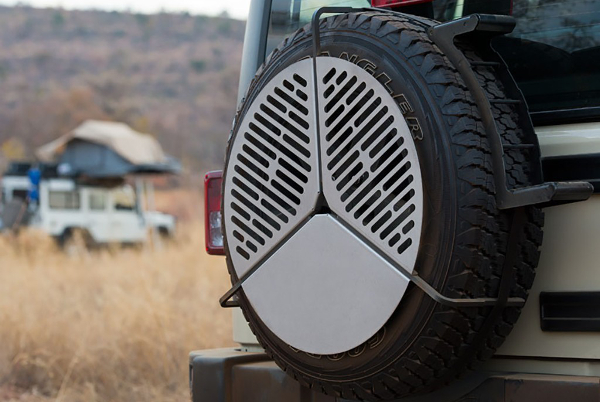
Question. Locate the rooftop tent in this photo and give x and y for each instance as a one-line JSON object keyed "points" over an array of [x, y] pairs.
{"points": [[101, 149]]}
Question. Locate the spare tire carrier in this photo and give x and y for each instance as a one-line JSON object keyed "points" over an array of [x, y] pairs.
{"points": [[547, 194]]}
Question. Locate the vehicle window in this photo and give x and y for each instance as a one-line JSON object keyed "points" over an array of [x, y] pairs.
{"points": [[63, 200], [553, 52], [21, 194], [97, 201], [124, 199]]}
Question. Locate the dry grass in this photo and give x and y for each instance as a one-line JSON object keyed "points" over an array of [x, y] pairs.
{"points": [[110, 326]]}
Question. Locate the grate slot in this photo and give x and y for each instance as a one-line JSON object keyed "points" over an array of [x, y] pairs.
{"points": [[407, 228], [285, 192], [255, 209], [346, 179], [395, 239], [266, 123], [354, 109], [240, 211], [242, 252], [238, 235], [291, 101], [386, 217], [362, 131], [404, 246], [341, 94], [294, 144], [394, 225], [282, 123], [352, 97], [262, 228], [261, 173], [352, 141], [263, 189], [281, 148], [363, 208], [289, 181], [302, 95], [259, 145], [379, 177], [246, 229], [387, 139], [302, 122], [329, 75], [341, 78], [295, 172], [300, 80], [350, 190], [276, 212], [255, 156], [288, 85], [244, 187], [329, 91], [251, 246], [277, 104], [390, 199], [398, 175], [347, 163]]}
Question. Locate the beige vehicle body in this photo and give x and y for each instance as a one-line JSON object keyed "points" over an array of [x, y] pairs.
{"points": [[552, 360], [569, 263]]}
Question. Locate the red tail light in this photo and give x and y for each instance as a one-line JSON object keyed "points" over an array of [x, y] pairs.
{"points": [[397, 3], [212, 213]]}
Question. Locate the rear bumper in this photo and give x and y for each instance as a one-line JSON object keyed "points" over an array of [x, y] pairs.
{"points": [[230, 375]]}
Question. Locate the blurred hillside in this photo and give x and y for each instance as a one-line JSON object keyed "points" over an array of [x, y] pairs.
{"points": [[172, 75]]}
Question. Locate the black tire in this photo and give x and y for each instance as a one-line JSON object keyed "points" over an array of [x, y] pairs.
{"points": [[424, 345], [75, 242]]}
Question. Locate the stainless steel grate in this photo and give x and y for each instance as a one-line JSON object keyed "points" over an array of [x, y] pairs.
{"points": [[371, 173], [272, 175], [358, 151]]}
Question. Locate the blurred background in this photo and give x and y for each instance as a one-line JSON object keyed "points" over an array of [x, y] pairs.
{"points": [[85, 318]]}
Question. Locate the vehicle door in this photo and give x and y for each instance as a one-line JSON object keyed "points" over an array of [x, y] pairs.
{"points": [[97, 215], [126, 223]]}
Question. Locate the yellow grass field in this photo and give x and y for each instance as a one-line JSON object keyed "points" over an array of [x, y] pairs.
{"points": [[115, 325]]}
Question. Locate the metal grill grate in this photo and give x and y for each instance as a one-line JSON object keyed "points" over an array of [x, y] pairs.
{"points": [[371, 174], [271, 182], [370, 171]]}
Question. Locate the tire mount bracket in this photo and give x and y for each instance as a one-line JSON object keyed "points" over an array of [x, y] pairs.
{"points": [[542, 194]]}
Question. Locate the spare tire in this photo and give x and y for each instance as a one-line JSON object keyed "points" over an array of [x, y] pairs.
{"points": [[343, 174]]}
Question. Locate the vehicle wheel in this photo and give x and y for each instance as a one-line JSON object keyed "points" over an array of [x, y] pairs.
{"points": [[394, 173], [74, 242], [165, 233]]}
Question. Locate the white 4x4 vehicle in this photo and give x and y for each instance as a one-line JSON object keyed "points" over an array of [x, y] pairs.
{"points": [[383, 200], [64, 207]]}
